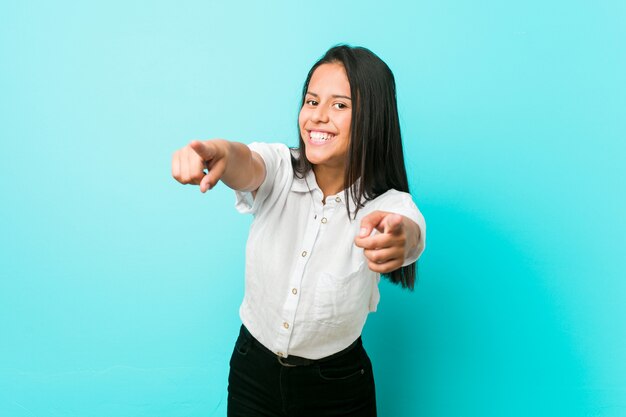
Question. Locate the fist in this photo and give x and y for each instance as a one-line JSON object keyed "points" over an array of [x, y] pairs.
{"points": [[385, 251], [200, 163]]}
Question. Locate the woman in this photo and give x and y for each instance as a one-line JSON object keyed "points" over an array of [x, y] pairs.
{"points": [[329, 217]]}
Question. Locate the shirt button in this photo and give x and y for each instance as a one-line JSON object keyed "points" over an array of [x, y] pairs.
{"points": [[303, 254], [324, 220], [286, 325], [337, 199], [294, 291]]}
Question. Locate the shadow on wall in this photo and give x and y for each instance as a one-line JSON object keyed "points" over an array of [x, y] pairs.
{"points": [[480, 336]]}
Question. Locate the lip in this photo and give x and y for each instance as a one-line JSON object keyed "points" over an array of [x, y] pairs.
{"points": [[309, 131], [319, 143]]}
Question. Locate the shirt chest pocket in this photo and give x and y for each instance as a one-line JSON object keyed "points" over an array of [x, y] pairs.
{"points": [[341, 300]]}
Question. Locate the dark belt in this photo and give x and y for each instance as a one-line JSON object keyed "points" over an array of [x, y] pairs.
{"points": [[291, 360]]}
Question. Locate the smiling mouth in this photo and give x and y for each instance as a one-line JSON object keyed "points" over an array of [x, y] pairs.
{"points": [[320, 137]]}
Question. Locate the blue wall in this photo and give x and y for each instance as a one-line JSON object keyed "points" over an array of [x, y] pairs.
{"points": [[119, 288]]}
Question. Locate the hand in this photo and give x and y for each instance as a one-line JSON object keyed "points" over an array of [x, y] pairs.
{"points": [[190, 162], [385, 251]]}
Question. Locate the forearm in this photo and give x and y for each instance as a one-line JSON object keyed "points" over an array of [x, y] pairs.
{"points": [[413, 240], [245, 170]]}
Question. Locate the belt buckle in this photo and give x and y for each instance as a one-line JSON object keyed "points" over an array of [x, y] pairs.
{"points": [[288, 365]]}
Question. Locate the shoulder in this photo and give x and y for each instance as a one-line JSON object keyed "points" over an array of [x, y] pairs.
{"points": [[271, 150], [278, 178], [392, 199], [276, 157]]}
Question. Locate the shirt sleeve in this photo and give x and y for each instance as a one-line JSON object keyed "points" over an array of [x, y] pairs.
{"points": [[402, 203], [278, 176]]}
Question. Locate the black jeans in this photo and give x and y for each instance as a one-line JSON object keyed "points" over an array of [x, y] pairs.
{"points": [[259, 385]]}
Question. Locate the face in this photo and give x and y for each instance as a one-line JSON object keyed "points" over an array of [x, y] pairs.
{"points": [[326, 116]]}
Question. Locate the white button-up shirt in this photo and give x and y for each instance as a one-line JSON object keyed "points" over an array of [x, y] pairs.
{"points": [[308, 288]]}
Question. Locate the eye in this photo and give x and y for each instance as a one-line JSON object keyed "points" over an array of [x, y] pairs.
{"points": [[340, 106], [311, 102]]}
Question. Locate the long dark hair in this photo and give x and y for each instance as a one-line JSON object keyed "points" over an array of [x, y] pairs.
{"points": [[375, 161]]}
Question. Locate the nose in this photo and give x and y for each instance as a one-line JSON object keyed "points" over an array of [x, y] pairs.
{"points": [[320, 115]]}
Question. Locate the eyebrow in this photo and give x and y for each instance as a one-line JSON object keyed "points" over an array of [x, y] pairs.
{"points": [[334, 95]]}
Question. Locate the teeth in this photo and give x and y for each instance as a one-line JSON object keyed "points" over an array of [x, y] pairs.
{"points": [[321, 136]]}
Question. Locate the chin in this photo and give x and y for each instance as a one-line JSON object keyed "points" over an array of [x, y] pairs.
{"points": [[313, 157]]}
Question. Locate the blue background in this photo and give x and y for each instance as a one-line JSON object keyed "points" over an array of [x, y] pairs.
{"points": [[119, 288]]}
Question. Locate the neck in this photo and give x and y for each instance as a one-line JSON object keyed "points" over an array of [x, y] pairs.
{"points": [[329, 180]]}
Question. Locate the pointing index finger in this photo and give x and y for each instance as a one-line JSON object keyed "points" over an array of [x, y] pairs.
{"points": [[203, 149], [393, 223]]}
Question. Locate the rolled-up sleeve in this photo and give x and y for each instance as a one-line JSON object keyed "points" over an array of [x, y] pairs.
{"points": [[278, 174]]}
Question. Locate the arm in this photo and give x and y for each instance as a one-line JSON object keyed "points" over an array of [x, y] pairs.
{"points": [[398, 240], [231, 162]]}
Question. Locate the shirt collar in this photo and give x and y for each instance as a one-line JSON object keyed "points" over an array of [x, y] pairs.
{"points": [[307, 184]]}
